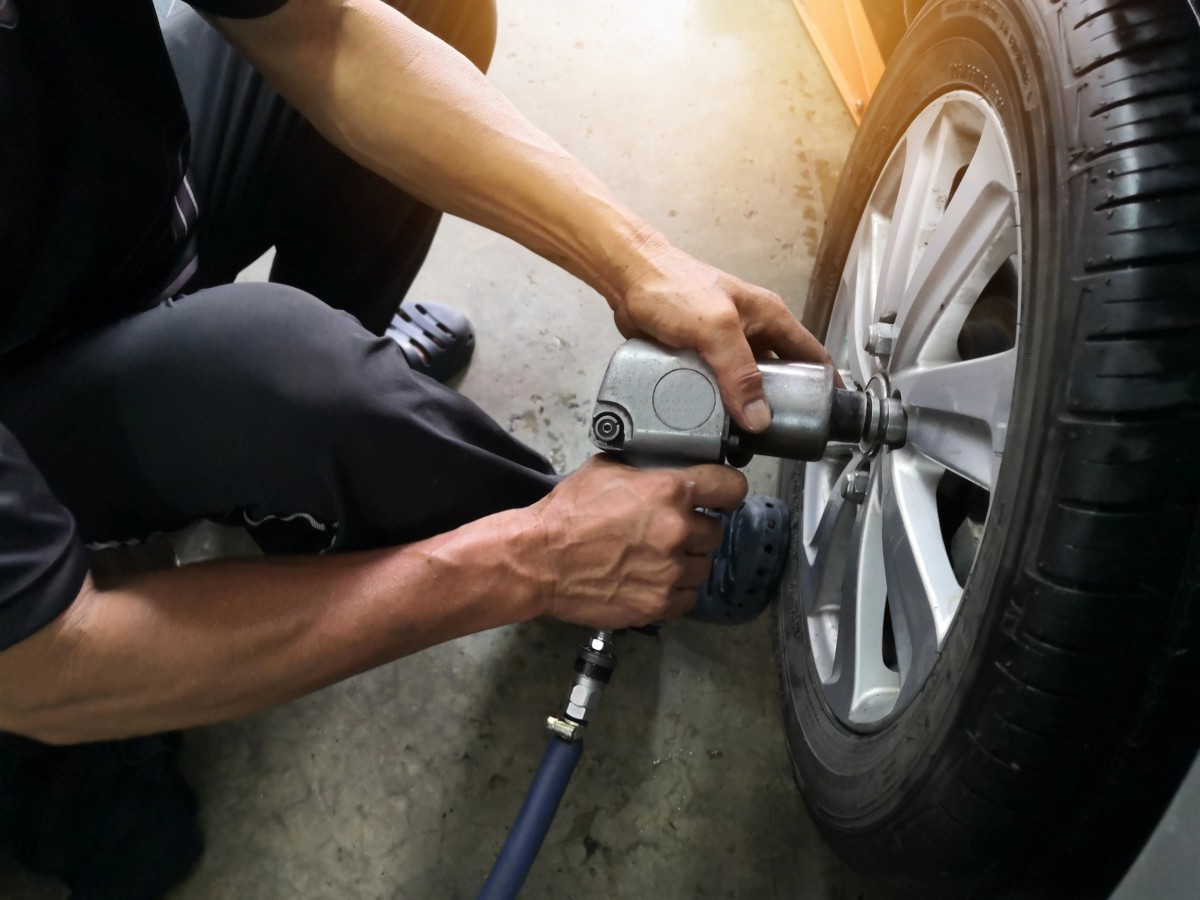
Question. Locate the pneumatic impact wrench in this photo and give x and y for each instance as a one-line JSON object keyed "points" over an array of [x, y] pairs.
{"points": [[659, 407], [662, 407]]}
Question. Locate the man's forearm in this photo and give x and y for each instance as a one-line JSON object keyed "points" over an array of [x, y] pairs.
{"points": [[217, 640], [408, 106]]}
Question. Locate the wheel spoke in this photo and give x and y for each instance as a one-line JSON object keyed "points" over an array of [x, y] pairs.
{"points": [[863, 688], [923, 592], [852, 303], [923, 150], [975, 236], [825, 550], [843, 345], [826, 526], [958, 413]]}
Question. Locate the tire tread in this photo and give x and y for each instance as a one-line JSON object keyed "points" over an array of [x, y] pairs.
{"points": [[1071, 740], [1126, 430]]}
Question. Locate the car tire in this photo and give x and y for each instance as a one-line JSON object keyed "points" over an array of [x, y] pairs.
{"points": [[1057, 711]]}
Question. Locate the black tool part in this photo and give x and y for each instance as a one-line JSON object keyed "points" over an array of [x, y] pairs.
{"points": [[848, 418], [747, 567]]}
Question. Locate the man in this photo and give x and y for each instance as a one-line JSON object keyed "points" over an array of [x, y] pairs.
{"points": [[140, 390]]}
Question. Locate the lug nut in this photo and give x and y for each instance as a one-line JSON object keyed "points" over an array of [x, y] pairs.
{"points": [[855, 484], [880, 338]]}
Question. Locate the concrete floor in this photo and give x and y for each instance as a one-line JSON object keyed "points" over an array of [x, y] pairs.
{"points": [[716, 121]]}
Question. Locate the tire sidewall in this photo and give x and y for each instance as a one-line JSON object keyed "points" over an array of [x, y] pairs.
{"points": [[1000, 50]]}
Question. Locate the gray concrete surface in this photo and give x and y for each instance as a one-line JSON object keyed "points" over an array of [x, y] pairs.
{"points": [[716, 120]]}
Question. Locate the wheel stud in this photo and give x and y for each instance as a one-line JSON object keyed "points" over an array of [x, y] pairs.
{"points": [[854, 485], [880, 338]]}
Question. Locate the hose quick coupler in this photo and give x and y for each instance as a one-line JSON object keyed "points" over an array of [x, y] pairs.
{"points": [[593, 670]]}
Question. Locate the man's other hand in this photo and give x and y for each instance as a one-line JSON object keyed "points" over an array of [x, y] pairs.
{"points": [[684, 303], [627, 546]]}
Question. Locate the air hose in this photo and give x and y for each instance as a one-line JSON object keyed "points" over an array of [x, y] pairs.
{"points": [[593, 669], [533, 821]]}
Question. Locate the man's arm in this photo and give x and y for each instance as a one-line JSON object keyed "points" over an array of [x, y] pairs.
{"points": [[411, 108], [610, 547]]}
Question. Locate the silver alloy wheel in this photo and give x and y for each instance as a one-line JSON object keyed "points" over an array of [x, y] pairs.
{"points": [[889, 536]]}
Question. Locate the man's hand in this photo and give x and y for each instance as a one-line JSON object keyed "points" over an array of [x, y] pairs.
{"points": [[627, 546], [682, 302]]}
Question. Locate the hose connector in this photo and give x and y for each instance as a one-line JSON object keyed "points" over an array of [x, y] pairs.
{"points": [[593, 670]]}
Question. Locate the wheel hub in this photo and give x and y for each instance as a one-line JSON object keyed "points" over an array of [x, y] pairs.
{"points": [[888, 421]]}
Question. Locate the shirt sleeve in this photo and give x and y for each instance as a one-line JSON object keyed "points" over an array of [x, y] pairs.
{"points": [[237, 9], [42, 560]]}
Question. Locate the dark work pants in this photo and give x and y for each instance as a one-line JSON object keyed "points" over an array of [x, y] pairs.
{"points": [[274, 405]]}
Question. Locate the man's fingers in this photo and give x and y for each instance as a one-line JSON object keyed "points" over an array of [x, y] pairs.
{"points": [[705, 536], [715, 487], [680, 602], [695, 572], [726, 349], [792, 341], [772, 326]]}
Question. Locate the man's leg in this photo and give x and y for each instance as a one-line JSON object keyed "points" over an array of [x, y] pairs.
{"points": [[265, 177], [255, 402], [261, 402]]}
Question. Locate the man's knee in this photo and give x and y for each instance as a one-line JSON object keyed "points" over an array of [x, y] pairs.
{"points": [[279, 356], [469, 26]]}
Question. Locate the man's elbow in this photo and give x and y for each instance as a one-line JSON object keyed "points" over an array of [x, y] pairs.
{"points": [[36, 699], [49, 716], [45, 726]]}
